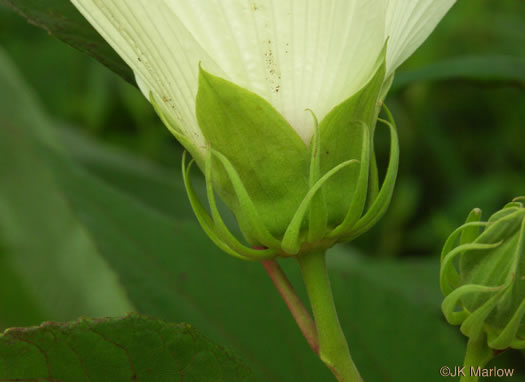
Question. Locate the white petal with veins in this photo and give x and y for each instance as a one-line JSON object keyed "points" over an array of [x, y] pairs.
{"points": [[408, 24], [296, 54]]}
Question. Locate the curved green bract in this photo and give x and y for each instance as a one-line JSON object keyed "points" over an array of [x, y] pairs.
{"points": [[450, 279], [291, 242], [358, 201], [482, 277], [202, 215], [452, 300], [132, 348], [474, 323], [381, 203], [470, 230], [509, 333], [221, 227], [318, 219], [215, 227], [446, 262], [249, 210]]}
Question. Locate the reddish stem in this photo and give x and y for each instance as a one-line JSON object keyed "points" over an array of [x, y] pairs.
{"points": [[295, 305]]}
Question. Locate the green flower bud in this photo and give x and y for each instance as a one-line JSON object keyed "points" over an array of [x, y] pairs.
{"points": [[483, 277]]}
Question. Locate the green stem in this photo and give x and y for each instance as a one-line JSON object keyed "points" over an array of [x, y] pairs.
{"points": [[333, 348], [477, 355], [293, 302]]}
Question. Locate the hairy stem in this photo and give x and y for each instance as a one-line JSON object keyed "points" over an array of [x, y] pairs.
{"points": [[333, 348], [295, 305]]}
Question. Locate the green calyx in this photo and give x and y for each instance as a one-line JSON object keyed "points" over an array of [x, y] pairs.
{"points": [[483, 277], [288, 197]]}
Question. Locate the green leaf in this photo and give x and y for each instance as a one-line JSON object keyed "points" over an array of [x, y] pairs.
{"points": [[251, 134], [506, 69], [132, 348], [62, 20], [17, 306], [158, 187], [47, 251]]}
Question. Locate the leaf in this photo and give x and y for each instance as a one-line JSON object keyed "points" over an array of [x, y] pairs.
{"points": [[47, 253], [506, 69], [61, 20], [132, 348], [158, 187], [17, 304]]}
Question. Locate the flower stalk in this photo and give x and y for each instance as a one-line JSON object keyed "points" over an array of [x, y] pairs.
{"points": [[293, 302], [478, 355], [333, 347]]}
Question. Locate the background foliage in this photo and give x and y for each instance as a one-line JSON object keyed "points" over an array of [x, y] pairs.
{"points": [[94, 220]]}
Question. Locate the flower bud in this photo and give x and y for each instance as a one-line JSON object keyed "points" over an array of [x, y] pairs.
{"points": [[483, 277]]}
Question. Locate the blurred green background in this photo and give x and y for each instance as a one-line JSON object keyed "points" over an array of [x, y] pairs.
{"points": [[459, 103]]}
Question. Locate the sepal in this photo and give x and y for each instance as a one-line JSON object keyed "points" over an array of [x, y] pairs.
{"points": [[265, 151]]}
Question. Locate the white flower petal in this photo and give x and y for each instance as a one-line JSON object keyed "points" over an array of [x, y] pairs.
{"points": [[296, 54], [162, 53], [409, 23]]}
